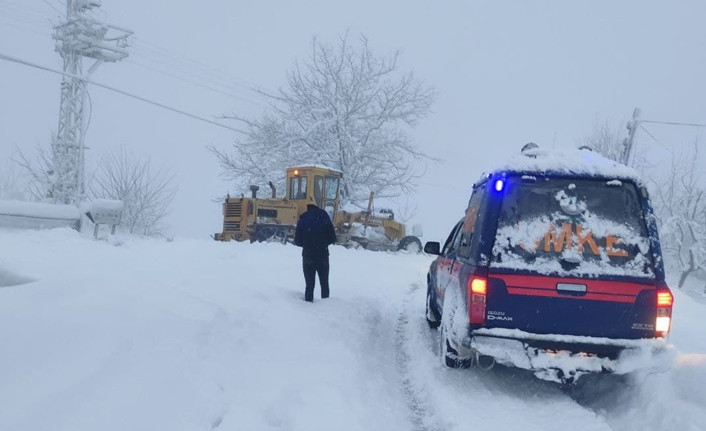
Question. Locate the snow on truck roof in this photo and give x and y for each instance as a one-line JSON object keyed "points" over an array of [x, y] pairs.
{"points": [[567, 162], [316, 166]]}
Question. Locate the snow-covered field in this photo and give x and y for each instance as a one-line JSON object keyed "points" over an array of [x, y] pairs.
{"points": [[137, 334]]}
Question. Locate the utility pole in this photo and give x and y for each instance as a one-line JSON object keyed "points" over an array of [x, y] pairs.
{"points": [[629, 142], [81, 36]]}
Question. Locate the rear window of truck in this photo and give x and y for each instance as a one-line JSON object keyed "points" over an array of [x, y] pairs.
{"points": [[572, 227]]}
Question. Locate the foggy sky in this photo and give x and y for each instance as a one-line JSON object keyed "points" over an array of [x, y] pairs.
{"points": [[506, 73]]}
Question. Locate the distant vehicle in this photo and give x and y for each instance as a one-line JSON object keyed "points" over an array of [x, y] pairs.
{"points": [[275, 218], [555, 268]]}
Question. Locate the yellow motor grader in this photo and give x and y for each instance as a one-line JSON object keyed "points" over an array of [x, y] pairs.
{"points": [[275, 218]]}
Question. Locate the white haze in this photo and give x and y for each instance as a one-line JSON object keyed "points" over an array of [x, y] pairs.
{"points": [[506, 72]]}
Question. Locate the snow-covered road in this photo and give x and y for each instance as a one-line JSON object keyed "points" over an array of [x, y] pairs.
{"points": [[197, 335]]}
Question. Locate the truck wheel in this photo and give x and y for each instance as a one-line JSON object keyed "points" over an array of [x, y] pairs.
{"points": [[449, 356], [410, 243], [432, 315]]}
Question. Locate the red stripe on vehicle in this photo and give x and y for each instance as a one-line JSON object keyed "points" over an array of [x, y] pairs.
{"points": [[553, 293], [611, 288]]}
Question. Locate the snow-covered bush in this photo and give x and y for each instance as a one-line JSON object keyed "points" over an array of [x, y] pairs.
{"points": [[146, 193]]}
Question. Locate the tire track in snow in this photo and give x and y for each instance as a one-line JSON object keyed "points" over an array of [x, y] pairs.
{"points": [[421, 413], [459, 399]]}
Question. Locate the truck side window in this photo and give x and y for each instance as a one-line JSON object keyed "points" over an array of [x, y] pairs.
{"points": [[319, 191], [452, 241], [330, 194], [331, 188], [297, 188], [470, 221]]}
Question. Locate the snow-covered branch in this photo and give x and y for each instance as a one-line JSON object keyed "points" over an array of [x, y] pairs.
{"points": [[342, 107]]}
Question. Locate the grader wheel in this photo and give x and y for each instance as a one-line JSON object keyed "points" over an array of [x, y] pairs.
{"points": [[271, 234], [410, 244]]}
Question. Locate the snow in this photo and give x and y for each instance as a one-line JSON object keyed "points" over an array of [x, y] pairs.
{"points": [[104, 204], [39, 209], [37, 215], [567, 161], [309, 166], [105, 211], [528, 236], [126, 333]]}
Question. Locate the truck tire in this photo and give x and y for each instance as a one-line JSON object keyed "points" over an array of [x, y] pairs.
{"points": [[449, 356], [410, 243], [432, 315]]}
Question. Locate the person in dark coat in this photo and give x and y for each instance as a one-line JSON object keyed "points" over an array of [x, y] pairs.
{"points": [[314, 234]]}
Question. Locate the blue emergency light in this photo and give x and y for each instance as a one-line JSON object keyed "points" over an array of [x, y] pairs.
{"points": [[499, 185]]}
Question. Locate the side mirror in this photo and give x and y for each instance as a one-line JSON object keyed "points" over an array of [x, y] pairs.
{"points": [[432, 247]]}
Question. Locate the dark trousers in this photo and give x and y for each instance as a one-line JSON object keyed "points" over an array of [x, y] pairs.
{"points": [[312, 266]]}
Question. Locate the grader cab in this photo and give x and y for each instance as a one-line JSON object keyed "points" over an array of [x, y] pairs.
{"points": [[269, 219], [275, 218]]}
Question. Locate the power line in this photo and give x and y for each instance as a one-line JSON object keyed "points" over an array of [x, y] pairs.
{"points": [[29, 11], [653, 137], [23, 15], [674, 123], [153, 57], [197, 77], [194, 63], [124, 93], [195, 70], [197, 83], [53, 7]]}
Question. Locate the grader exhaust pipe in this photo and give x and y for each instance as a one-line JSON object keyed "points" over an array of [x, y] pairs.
{"points": [[274, 190]]}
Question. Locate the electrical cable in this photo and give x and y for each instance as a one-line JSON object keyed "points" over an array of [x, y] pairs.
{"points": [[35, 13], [186, 70], [53, 7], [173, 64], [208, 87], [16, 15], [158, 66], [653, 137], [671, 123], [124, 93], [224, 75], [31, 29]]}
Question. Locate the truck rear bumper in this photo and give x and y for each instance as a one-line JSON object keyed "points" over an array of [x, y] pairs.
{"points": [[563, 358]]}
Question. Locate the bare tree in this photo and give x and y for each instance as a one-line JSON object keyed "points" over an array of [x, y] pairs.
{"points": [[681, 207], [344, 108], [13, 185], [679, 198], [43, 178], [146, 193], [406, 210], [605, 139]]}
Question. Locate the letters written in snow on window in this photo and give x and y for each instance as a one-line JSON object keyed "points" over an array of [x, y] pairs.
{"points": [[568, 227]]}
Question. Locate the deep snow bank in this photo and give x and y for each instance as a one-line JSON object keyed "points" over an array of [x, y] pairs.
{"points": [[136, 334], [185, 335]]}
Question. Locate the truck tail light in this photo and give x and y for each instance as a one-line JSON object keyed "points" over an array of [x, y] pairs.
{"points": [[664, 312], [477, 292]]}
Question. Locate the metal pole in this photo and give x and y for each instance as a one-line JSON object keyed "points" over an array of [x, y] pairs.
{"points": [[80, 36], [629, 143]]}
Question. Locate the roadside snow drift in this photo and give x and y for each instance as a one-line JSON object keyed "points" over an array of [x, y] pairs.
{"points": [[135, 334]]}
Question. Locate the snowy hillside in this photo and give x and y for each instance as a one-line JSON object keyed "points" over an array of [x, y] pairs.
{"points": [[136, 334]]}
